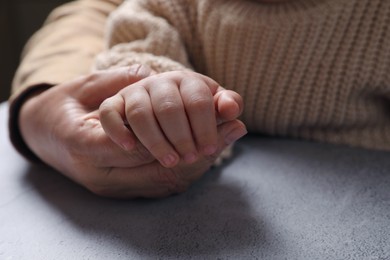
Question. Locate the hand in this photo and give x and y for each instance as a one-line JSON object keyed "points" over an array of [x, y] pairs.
{"points": [[152, 180], [173, 114], [62, 127]]}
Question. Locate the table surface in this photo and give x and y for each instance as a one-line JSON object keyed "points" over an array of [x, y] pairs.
{"points": [[277, 199]]}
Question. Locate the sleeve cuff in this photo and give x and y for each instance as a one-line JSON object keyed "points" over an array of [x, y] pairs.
{"points": [[13, 122]]}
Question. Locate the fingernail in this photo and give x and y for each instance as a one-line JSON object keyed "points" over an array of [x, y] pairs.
{"points": [[236, 134], [209, 149], [169, 160]]}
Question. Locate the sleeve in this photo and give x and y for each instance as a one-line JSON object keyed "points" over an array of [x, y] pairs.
{"points": [[64, 48], [147, 32]]}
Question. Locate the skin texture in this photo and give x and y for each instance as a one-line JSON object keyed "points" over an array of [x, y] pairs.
{"points": [[62, 126], [173, 114]]}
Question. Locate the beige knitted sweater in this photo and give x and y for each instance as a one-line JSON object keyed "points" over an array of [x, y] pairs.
{"points": [[311, 69]]}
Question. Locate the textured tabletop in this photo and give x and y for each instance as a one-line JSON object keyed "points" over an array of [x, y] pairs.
{"points": [[277, 199]]}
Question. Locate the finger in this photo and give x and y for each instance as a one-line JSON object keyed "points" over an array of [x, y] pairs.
{"points": [[149, 180], [112, 117], [153, 180], [228, 133], [100, 85], [213, 86], [231, 131], [141, 118], [199, 105], [171, 115], [228, 104], [94, 145]]}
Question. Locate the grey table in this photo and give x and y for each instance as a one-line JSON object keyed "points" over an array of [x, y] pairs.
{"points": [[277, 199]]}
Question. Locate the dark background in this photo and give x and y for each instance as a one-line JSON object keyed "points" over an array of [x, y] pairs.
{"points": [[19, 19]]}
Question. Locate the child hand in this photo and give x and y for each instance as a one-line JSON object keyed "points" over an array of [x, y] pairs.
{"points": [[173, 114]]}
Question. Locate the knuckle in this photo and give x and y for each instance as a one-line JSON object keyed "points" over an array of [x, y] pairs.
{"points": [[200, 103], [169, 108], [136, 104], [105, 108], [136, 112]]}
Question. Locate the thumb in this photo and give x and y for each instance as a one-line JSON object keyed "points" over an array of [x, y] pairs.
{"points": [[228, 105], [94, 88], [231, 131]]}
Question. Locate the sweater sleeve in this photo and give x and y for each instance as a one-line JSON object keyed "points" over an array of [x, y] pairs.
{"points": [[147, 32], [61, 50]]}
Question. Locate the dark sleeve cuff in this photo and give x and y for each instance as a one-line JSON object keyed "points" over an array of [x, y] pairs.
{"points": [[13, 122]]}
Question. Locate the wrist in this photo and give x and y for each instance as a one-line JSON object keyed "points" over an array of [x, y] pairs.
{"points": [[16, 107]]}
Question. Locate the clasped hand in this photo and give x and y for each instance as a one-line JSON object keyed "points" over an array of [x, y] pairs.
{"points": [[128, 133]]}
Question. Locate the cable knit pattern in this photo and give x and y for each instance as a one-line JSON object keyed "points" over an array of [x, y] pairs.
{"points": [[312, 69]]}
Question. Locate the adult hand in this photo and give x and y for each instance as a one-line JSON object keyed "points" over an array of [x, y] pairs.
{"points": [[62, 127]]}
